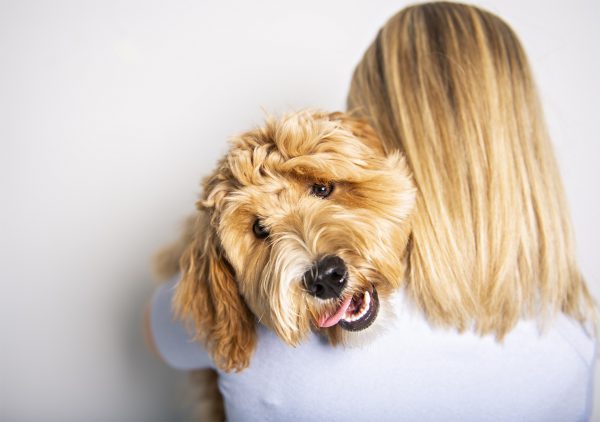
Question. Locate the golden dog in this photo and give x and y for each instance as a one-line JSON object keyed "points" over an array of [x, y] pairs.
{"points": [[302, 226]]}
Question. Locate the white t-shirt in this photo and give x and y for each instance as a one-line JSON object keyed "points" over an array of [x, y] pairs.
{"points": [[410, 372]]}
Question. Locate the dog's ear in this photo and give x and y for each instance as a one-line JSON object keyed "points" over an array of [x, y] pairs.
{"points": [[208, 296], [360, 127]]}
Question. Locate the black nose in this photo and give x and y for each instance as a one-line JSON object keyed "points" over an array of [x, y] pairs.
{"points": [[327, 278]]}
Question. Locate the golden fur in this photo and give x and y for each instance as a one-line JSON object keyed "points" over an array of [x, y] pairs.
{"points": [[231, 279]]}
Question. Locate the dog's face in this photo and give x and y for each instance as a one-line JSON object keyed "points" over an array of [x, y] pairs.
{"points": [[302, 226]]}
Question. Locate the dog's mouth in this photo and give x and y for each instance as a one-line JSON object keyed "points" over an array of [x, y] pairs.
{"points": [[355, 313]]}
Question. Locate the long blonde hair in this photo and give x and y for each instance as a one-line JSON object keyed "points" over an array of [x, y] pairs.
{"points": [[449, 85]]}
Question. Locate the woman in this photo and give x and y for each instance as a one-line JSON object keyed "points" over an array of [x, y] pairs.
{"points": [[490, 262]]}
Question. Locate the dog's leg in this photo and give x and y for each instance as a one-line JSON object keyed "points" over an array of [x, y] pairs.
{"points": [[208, 402]]}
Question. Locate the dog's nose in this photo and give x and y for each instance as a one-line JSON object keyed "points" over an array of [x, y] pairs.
{"points": [[327, 278]]}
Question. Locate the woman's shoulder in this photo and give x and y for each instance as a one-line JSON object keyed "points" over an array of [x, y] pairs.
{"points": [[408, 368], [421, 372]]}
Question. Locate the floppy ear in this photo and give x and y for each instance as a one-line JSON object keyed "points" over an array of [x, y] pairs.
{"points": [[208, 296]]}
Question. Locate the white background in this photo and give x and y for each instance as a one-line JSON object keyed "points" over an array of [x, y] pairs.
{"points": [[110, 113]]}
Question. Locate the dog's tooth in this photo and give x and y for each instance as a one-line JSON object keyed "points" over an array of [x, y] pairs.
{"points": [[363, 312], [366, 305]]}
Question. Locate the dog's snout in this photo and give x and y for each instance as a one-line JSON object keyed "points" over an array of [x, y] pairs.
{"points": [[327, 278]]}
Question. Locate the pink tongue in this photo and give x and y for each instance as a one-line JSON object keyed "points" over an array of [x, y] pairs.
{"points": [[329, 321]]}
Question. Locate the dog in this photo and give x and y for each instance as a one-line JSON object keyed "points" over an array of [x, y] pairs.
{"points": [[303, 226]]}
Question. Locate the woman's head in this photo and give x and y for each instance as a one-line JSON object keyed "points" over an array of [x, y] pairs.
{"points": [[450, 86]]}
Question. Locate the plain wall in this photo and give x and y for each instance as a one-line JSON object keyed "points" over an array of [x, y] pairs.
{"points": [[112, 111]]}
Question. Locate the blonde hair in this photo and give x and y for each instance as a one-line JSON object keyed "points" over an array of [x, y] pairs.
{"points": [[450, 86]]}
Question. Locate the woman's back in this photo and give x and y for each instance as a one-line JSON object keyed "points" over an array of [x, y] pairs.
{"points": [[410, 372]]}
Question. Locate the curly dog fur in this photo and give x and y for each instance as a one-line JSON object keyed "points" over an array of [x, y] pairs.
{"points": [[232, 278]]}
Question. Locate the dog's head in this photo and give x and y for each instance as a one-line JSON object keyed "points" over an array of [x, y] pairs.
{"points": [[302, 226]]}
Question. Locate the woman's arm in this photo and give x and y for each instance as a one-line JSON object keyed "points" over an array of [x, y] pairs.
{"points": [[168, 337]]}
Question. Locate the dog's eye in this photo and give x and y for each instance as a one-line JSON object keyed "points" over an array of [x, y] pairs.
{"points": [[259, 231], [322, 190]]}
